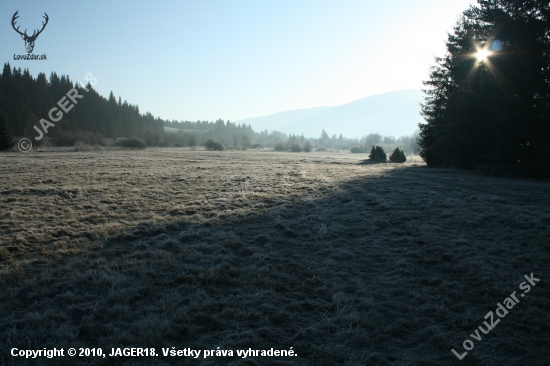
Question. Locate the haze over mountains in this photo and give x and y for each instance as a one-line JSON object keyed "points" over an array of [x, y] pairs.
{"points": [[390, 114]]}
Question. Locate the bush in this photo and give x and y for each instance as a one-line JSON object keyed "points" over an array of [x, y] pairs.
{"points": [[280, 146], [398, 156], [80, 146], [131, 143], [70, 138], [377, 154], [356, 150], [212, 145], [295, 147], [257, 146], [321, 149], [307, 146]]}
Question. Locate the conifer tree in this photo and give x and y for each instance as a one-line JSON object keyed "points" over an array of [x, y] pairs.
{"points": [[398, 156], [372, 155], [487, 100], [377, 153], [6, 137]]}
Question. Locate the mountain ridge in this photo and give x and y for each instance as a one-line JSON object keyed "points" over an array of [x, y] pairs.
{"points": [[395, 113]]}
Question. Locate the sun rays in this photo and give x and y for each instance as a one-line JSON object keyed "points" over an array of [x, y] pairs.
{"points": [[482, 55]]}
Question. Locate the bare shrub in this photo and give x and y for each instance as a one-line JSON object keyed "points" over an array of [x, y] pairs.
{"points": [[70, 138], [81, 146], [414, 159]]}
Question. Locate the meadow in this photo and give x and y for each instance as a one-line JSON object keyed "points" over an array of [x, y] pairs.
{"points": [[347, 262]]}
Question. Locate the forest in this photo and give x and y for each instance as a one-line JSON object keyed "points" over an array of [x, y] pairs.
{"points": [[25, 100]]}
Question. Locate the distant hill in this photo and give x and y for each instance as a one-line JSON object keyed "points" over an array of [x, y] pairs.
{"points": [[390, 114]]}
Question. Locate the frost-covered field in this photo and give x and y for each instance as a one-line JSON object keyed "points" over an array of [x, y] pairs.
{"points": [[347, 263]]}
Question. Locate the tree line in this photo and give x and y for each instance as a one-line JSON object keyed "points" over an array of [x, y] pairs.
{"points": [[25, 100]]}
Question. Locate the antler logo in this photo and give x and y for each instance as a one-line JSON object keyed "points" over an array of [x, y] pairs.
{"points": [[29, 40]]}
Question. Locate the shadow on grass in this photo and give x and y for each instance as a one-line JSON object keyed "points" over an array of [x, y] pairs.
{"points": [[390, 270]]}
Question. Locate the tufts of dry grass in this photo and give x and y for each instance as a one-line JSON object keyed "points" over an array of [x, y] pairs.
{"points": [[348, 264]]}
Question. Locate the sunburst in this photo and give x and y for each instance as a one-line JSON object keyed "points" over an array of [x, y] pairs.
{"points": [[482, 55]]}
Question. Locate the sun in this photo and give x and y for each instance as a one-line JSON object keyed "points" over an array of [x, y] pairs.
{"points": [[482, 55]]}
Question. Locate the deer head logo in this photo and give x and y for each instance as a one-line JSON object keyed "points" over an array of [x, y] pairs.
{"points": [[29, 40]]}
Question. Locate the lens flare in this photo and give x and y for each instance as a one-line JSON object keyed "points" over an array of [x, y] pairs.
{"points": [[496, 45], [482, 55]]}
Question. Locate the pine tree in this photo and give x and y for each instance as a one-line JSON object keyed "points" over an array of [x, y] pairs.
{"points": [[324, 139], [6, 137], [492, 110], [381, 154], [372, 155], [377, 154], [398, 156]]}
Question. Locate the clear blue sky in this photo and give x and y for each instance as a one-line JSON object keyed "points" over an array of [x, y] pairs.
{"points": [[190, 60]]}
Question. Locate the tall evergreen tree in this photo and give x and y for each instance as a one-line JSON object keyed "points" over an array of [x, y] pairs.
{"points": [[6, 137], [488, 100], [22, 96]]}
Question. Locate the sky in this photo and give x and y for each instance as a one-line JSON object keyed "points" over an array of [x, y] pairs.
{"points": [[204, 60]]}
